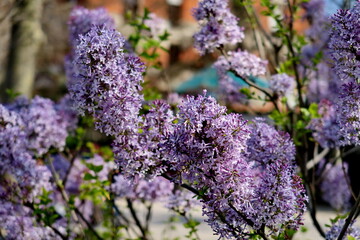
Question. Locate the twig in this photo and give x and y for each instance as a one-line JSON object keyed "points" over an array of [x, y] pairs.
{"points": [[75, 212], [313, 162], [349, 219], [136, 219]]}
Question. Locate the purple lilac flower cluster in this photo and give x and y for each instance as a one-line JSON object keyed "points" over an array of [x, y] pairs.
{"points": [[157, 189], [29, 129], [345, 43], [21, 132], [82, 20], [219, 26], [282, 84], [334, 232], [334, 187], [142, 153], [241, 63], [229, 90], [279, 196], [17, 223], [107, 82], [323, 84], [157, 26], [202, 145], [326, 128], [349, 119], [45, 127]]}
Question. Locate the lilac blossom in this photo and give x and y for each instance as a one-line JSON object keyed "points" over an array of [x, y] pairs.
{"points": [[45, 128], [218, 26], [107, 82], [326, 128], [22, 176], [348, 106], [334, 187], [82, 20], [242, 63], [67, 112], [279, 196], [323, 84], [210, 142], [140, 154], [158, 189], [336, 228], [182, 201], [156, 25], [282, 84], [345, 43], [230, 90]]}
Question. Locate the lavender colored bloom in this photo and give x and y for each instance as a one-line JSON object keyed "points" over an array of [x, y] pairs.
{"points": [[230, 90], [182, 201], [156, 25], [345, 43], [282, 84], [17, 223], [242, 63], [107, 82], [334, 187], [348, 106], [44, 126], [279, 196], [82, 20], [335, 230], [158, 189], [22, 177], [323, 84], [218, 26], [326, 128], [140, 154], [206, 151], [67, 112]]}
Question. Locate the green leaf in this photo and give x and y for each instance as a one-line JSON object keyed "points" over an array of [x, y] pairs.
{"points": [[88, 177], [164, 36], [191, 223]]}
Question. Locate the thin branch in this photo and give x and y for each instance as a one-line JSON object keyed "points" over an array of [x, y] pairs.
{"points": [[349, 219], [136, 219], [75, 212]]}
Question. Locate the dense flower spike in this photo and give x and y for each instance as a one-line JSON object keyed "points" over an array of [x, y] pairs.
{"points": [[334, 232], [107, 82], [326, 127], [22, 177], [349, 118], [157, 26], [45, 127], [82, 20], [323, 84], [334, 187], [141, 153], [345, 43], [67, 112], [159, 189], [206, 151], [282, 84], [218, 26], [241, 63], [279, 196], [17, 223]]}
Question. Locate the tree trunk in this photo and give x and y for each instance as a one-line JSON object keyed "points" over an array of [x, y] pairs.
{"points": [[26, 36]]}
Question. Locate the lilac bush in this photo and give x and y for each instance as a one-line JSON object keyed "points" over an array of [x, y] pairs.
{"points": [[218, 26], [186, 151]]}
